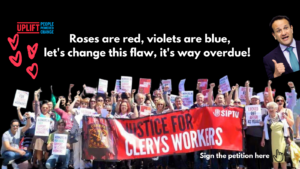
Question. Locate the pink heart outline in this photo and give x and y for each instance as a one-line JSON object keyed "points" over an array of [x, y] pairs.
{"points": [[13, 59], [11, 41], [32, 50], [29, 70]]}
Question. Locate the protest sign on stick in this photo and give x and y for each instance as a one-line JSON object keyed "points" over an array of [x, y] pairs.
{"points": [[253, 115], [224, 84], [21, 99]]}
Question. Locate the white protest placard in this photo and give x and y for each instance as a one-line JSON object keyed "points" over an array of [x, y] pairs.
{"points": [[145, 111], [78, 118], [181, 85], [60, 144], [104, 113], [187, 98], [118, 87], [172, 98], [102, 86], [126, 83], [288, 97], [21, 99], [87, 112], [242, 94], [253, 115], [42, 126], [224, 84], [90, 90], [167, 82], [261, 96]]}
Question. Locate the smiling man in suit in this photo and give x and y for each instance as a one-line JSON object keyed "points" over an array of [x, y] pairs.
{"points": [[285, 58]]}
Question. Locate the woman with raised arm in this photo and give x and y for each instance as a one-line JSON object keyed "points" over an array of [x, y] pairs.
{"points": [[284, 112], [38, 143], [161, 106], [275, 135], [66, 114]]}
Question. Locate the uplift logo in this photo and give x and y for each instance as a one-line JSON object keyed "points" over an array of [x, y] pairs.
{"points": [[35, 27]]}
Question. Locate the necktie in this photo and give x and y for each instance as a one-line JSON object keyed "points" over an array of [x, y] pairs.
{"points": [[293, 59]]}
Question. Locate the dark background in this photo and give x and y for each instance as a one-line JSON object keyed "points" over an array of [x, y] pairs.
{"points": [[243, 28]]}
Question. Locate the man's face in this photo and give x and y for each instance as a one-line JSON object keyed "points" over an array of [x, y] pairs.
{"points": [[155, 100], [140, 99], [200, 99], [15, 126], [61, 127], [254, 101], [283, 32], [220, 99], [63, 101], [178, 102], [50, 104]]}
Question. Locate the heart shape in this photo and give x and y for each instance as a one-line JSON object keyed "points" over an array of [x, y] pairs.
{"points": [[11, 41], [13, 59], [32, 50], [29, 70]]}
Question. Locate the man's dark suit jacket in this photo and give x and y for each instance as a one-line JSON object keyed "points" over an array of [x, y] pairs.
{"points": [[278, 55]]}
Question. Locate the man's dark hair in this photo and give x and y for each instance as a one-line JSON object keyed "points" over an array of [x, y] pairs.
{"points": [[61, 121], [14, 120], [45, 101], [279, 17]]}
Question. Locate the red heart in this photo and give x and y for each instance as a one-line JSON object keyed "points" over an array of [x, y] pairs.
{"points": [[13, 59], [29, 70], [32, 50], [11, 41]]}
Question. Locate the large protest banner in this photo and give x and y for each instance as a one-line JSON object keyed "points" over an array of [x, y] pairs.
{"points": [[170, 133]]}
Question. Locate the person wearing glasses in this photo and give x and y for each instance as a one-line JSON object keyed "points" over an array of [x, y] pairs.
{"points": [[108, 101], [10, 144], [275, 135], [100, 100], [284, 112], [92, 102], [108, 107]]}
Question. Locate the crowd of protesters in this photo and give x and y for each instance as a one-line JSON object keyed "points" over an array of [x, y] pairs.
{"points": [[278, 124]]}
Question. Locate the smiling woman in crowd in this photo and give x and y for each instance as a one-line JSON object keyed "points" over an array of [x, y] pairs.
{"points": [[276, 133]]}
